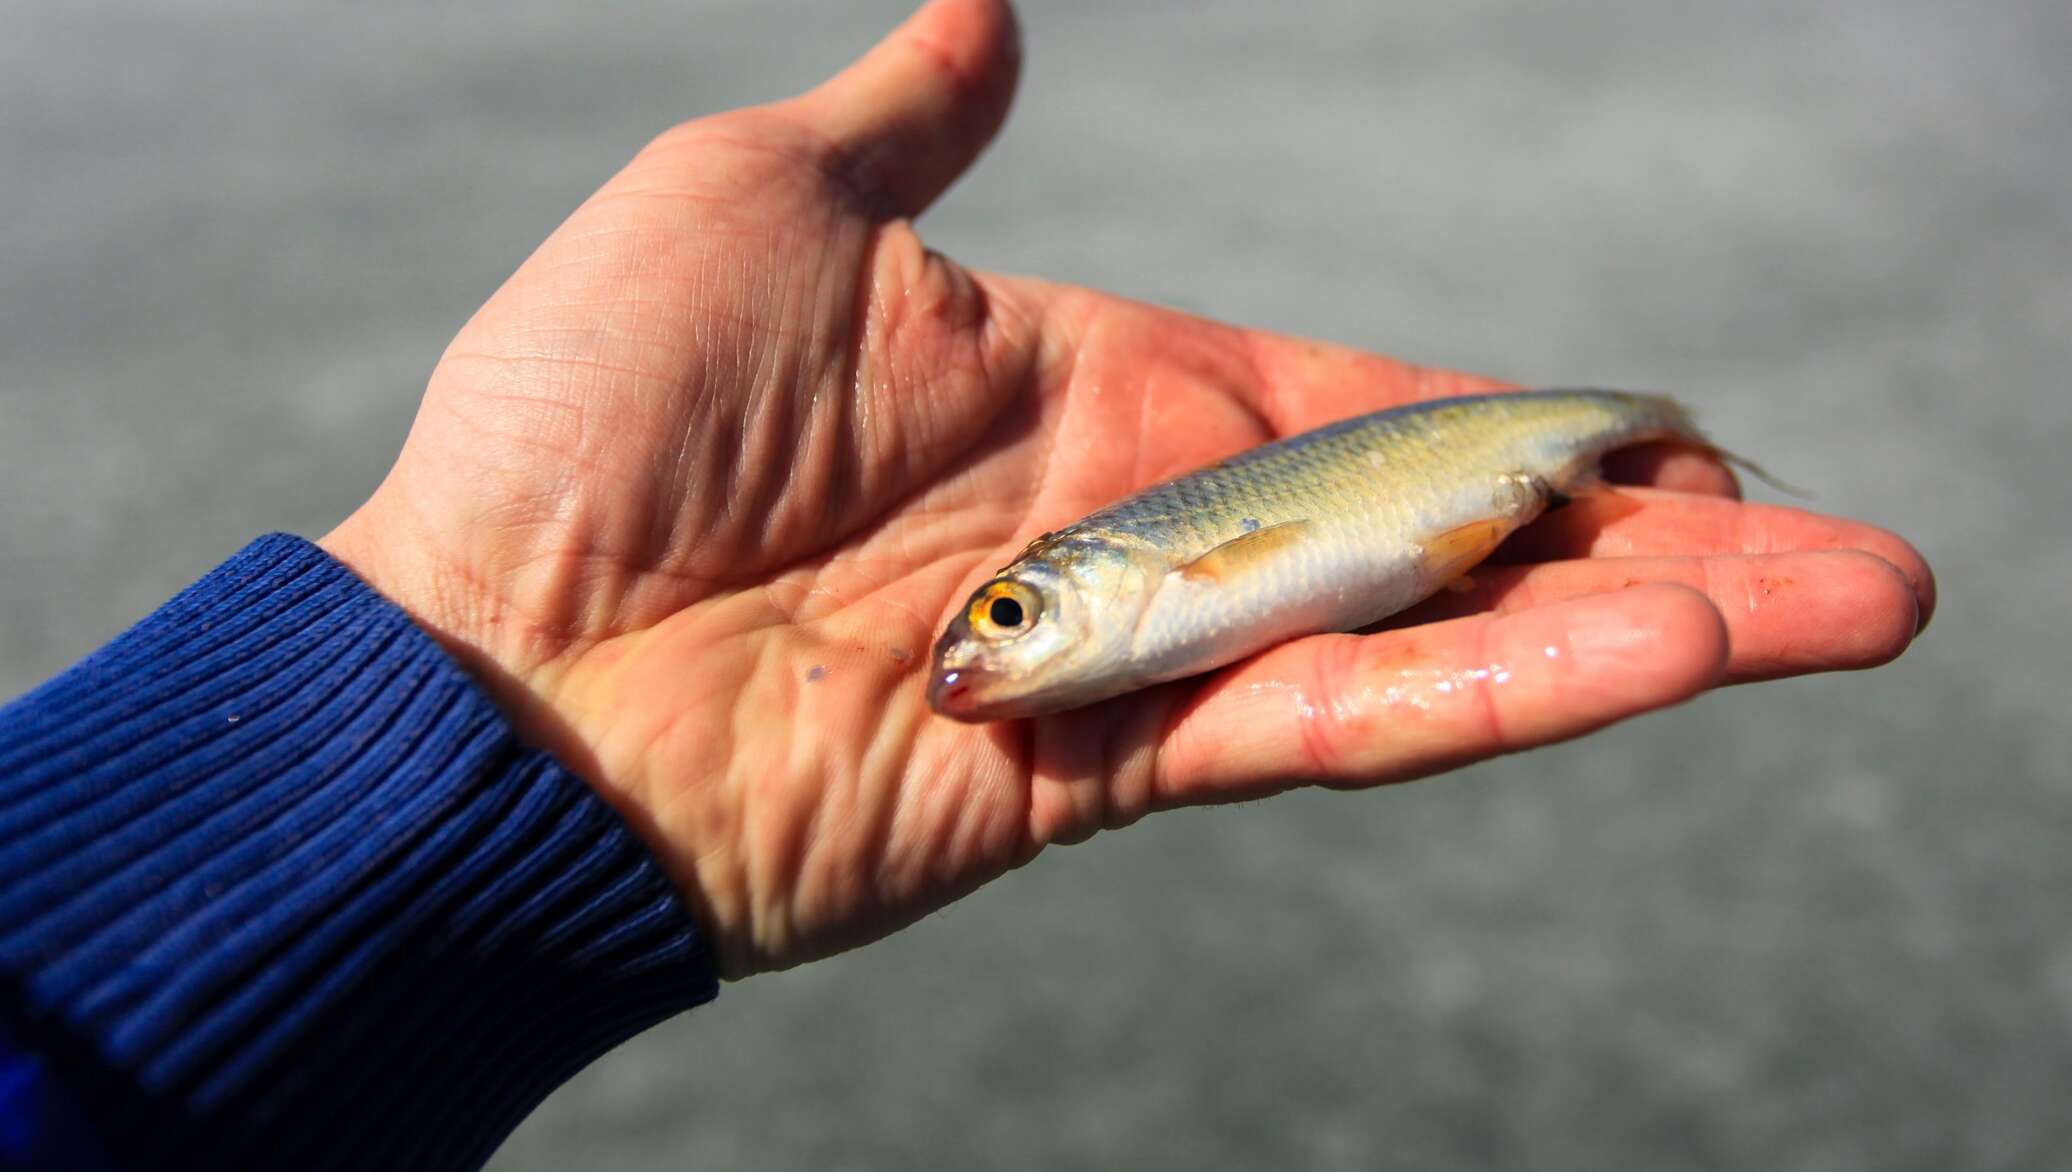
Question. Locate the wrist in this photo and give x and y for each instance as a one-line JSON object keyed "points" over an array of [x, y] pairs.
{"points": [[386, 546], [279, 854]]}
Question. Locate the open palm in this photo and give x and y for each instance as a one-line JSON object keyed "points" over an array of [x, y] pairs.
{"points": [[695, 490]]}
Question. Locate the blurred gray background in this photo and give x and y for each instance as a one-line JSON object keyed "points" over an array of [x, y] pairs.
{"points": [[1824, 924]]}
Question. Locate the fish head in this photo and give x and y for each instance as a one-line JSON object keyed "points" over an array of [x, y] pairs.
{"points": [[1049, 632]]}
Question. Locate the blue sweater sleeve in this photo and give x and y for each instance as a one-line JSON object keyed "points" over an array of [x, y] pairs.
{"points": [[280, 888]]}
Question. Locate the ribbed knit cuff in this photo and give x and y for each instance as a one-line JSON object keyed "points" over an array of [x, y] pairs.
{"points": [[280, 888]]}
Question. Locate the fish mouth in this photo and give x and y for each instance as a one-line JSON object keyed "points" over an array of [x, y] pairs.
{"points": [[960, 693], [959, 687]]}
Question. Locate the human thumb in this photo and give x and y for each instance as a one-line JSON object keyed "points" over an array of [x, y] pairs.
{"points": [[909, 116]]}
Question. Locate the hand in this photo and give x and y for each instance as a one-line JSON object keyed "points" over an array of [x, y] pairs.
{"points": [[695, 490]]}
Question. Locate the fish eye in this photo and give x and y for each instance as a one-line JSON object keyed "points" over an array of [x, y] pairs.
{"points": [[1004, 609]]}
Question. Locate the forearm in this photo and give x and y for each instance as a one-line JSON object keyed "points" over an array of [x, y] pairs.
{"points": [[277, 883]]}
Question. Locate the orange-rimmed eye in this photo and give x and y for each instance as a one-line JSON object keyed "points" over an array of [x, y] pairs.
{"points": [[1004, 609]]}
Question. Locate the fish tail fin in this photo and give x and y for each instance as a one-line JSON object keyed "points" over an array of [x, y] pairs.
{"points": [[1666, 420], [1756, 470]]}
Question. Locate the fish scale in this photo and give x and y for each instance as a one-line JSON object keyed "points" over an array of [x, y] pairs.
{"points": [[1330, 530]]}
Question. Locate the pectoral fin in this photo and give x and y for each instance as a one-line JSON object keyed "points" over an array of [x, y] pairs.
{"points": [[1242, 553], [1452, 553]]}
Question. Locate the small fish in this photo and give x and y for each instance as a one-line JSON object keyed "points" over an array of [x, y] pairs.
{"points": [[1327, 531]]}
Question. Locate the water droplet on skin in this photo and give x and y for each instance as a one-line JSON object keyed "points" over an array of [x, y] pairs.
{"points": [[816, 674], [1460, 681]]}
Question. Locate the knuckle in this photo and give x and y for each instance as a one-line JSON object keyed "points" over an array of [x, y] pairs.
{"points": [[1491, 726], [1331, 727]]}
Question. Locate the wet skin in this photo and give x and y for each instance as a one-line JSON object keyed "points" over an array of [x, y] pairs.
{"points": [[694, 491]]}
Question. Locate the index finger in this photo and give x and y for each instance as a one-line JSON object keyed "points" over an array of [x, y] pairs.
{"points": [[1353, 710]]}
